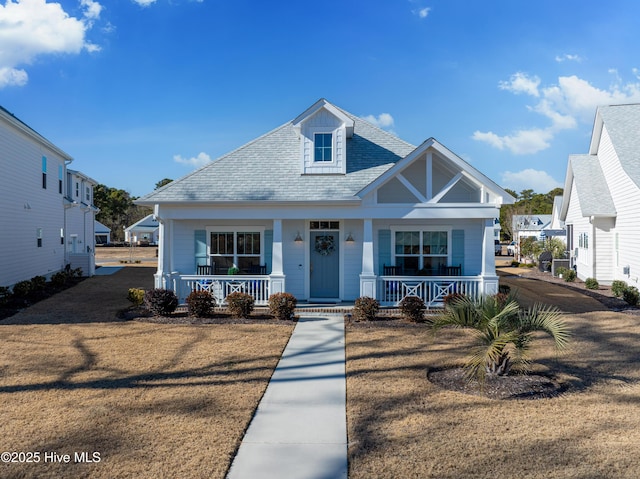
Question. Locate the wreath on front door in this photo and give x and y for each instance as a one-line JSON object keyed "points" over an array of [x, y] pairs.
{"points": [[325, 245]]}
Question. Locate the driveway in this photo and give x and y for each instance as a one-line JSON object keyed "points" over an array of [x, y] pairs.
{"points": [[531, 290]]}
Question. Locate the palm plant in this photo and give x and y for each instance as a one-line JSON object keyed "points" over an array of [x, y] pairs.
{"points": [[503, 331]]}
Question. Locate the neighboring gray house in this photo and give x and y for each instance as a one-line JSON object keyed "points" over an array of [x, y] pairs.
{"points": [[329, 207], [103, 233], [39, 218], [602, 197], [143, 232]]}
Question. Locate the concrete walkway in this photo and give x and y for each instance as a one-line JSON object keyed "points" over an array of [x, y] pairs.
{"points": [[299, 430]]}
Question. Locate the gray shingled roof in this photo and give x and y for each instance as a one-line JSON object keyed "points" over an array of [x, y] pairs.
{"points": [[594, 194], [623, 124], [269, 169]]}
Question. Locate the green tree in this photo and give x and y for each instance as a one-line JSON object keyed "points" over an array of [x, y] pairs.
{"points": [[117, 210], [530, 248], [162, 182], [556, 246], [504, 331], [527, 203]]}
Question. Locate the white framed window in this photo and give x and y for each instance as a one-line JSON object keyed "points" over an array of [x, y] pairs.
{"points": [[44, 172], [39, 237], [323, 147], [421, 251], [324, 225], [236, 247]]}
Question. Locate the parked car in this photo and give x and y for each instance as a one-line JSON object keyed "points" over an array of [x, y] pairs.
{"points": [[511, 248], [498, 248]]}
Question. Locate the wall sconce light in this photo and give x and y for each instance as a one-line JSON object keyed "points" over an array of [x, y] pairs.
{"points": [[350, 239], [298, 238]]}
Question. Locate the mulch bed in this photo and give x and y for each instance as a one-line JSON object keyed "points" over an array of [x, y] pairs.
{"points": [[182, 317], [514, 386]]}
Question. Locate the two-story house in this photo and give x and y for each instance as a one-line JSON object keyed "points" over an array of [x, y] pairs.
{"points": [[43, 228]]}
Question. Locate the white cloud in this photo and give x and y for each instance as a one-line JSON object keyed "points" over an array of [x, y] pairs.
{"points": [[522, 142], [571, 101], [521, 83], [383, 120], [423, 12], [92, 9], [12, 76], [539, 181], [144, 3], [31, 28], [195, 161], [567, 57]]}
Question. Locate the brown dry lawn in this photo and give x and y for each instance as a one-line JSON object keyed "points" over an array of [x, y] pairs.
{"points": [[155, 400], [401, 425]]}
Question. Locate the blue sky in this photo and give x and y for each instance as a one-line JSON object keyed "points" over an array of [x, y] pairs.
{"points": [[139, 90]]}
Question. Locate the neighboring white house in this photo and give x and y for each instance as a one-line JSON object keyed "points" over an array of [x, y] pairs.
{"points": [[329, 207], [80, 222], [144, 231], [37, 217], [602, 197], [103, 233]]}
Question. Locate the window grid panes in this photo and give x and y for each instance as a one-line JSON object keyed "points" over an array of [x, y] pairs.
{"points": [[421, 252], [324, 225], [322, 146], [235, 249]]}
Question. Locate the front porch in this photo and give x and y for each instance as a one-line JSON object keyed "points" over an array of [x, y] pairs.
{"points": [[390, 290]]}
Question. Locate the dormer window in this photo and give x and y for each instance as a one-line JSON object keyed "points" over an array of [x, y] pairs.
{"points": [[323, 147], [323, 131]]}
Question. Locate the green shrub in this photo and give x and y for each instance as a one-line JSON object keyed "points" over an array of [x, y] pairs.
{"points": [[561, 271], [631, 295], [60, 279], [450, 298], [618, 287], [161, 301], [240, 305], [504, 289], [282, 305], [5, 295], [233, 270], [136, 296], [591, 283], [515, 264], [200, 303], [22, 289], [365, 309], [38, 283], [413, 308], [570, 276]]}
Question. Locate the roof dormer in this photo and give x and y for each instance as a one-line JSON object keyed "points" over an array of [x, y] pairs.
{"points": [[323, 130]]}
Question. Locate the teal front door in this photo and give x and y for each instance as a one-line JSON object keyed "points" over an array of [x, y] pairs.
{"points": [[325, 265]]}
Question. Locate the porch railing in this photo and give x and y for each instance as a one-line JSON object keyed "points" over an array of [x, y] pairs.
{"points": [[220, 287], [432, 289]]}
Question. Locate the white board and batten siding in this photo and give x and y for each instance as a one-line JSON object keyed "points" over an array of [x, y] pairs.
{"points": [[625, 195], [28, 208]]}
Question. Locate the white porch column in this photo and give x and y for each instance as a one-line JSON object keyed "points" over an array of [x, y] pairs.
{"points": [[162, 245], [489, 277], [367, 276], [163, 278], [277, 270]]}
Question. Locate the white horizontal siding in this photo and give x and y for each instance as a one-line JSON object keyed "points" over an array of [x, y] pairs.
{"points": [[26, 206], [626, 198]]}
